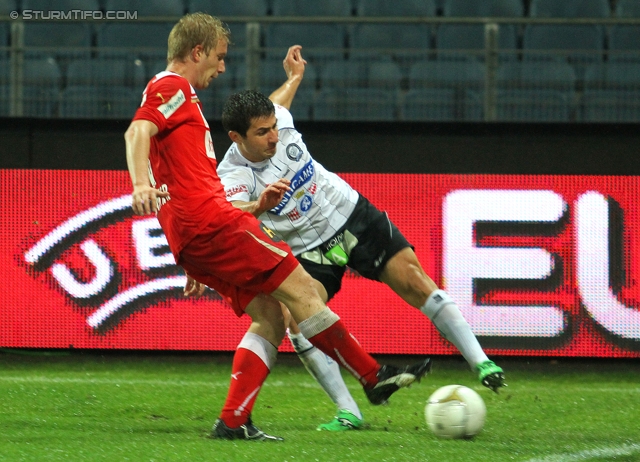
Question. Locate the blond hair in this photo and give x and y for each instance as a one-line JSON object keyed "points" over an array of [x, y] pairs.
{"points": [[195, 29]]}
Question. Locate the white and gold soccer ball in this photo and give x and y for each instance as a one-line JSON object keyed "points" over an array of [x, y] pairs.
{"points": [[455, 411]]}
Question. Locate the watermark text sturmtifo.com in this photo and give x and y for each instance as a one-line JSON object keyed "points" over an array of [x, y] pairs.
{"points": [[73, 14]]}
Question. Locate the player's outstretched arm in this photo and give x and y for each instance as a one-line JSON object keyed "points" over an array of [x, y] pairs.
{"points": [[268, 199], [138, 140], [293, 64]]}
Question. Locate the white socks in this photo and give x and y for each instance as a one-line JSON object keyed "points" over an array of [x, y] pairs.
{"points": [[261, 347], [318, 322], [326, 371], [448, 319]]}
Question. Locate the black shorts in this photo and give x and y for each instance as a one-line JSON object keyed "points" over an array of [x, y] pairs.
{"points": [[378, 239]]}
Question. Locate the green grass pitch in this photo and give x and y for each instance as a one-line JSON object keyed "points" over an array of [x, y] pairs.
{"points": [[93, 406]]}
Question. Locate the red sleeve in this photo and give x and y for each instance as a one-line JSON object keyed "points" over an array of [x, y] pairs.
{"points": [[165, 102]]}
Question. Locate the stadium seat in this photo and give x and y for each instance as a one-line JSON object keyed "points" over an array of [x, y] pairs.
{"points": [[41, 80], [611, 92], [627, 9], [122, 102], [611, 106], [130, 37], [104, 72], [343, 74], [426, 104], [539, 75], [272, 75], [42, 71], [236, 52], [447, 74], [570, 9], [385, 74], [58, 40], [4, 39], [404, 42], [522, 105], [40, 86], [147, 41], [484, 8], [354, 104], [60, 5], [409, 8], [213, 100], [473, 106], [229, 8], [154, 66], [227, 79], [147, 8], [5, 71], [580, 44], [613, 76], [239, 38], [624, 43], [323, 8], [83, 101], [5, 101], [7, 6], [39, 102], [238, 79], [302, 105], [369, 104], [449, 82], [5, 86], [459, 41], [320, 42]]}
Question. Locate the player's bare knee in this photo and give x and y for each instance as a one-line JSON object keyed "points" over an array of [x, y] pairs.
{"points": [[418, 286], [267, 312], [298, 288]]}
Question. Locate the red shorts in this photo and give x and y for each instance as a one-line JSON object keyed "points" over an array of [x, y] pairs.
{"points": [[239, 260]]}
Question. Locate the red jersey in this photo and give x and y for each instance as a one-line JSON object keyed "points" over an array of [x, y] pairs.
{"points": [[182, 161]]}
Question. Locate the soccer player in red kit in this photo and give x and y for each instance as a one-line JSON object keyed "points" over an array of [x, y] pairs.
{"points": [[172, 165]]}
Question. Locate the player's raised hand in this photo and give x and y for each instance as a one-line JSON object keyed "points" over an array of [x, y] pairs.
{"points": [[293, 62], [143, 199]]}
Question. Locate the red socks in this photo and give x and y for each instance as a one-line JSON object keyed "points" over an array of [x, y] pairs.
{"points": [[248, 374], [252, 360], [337, 342]]}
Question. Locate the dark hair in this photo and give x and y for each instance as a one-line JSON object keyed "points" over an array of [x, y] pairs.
{"points": [[242, 108]]}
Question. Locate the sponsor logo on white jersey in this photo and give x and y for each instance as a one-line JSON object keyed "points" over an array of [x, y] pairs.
{"points": [[236, 189], [294, 152], [302, 177]]}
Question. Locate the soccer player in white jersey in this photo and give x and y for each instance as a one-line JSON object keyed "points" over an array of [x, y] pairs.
{"points": [[328, 224], [168, 146]]}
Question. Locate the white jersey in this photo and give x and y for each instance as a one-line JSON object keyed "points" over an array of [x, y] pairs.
{"points": [[319, 202]]}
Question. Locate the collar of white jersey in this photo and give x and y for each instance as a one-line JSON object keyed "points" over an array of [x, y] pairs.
{"points": [[242, 160]]}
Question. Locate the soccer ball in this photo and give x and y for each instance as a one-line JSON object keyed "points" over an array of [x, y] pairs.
{"points": [[455, 411]]}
